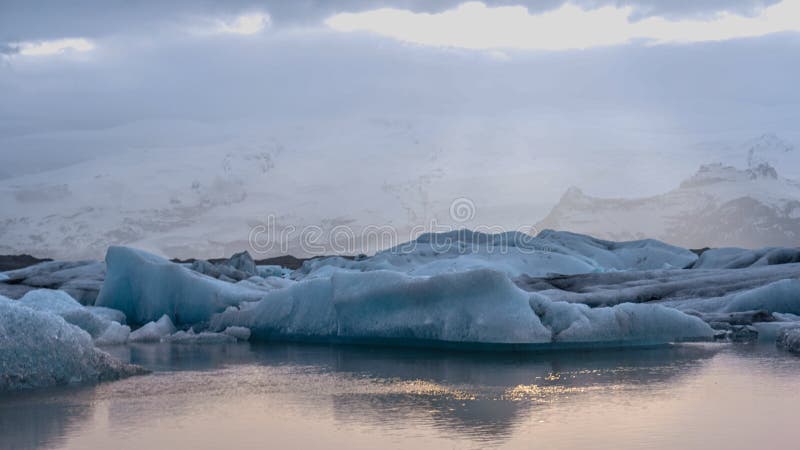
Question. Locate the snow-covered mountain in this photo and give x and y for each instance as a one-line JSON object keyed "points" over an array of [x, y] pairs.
{"points": [[719, 205]]}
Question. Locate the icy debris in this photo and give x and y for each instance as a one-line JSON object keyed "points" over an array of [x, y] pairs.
{"points": [[240, 333], [145, 287], [39, 348], [3, 277], [153, 331], [204, 337], [789, 339], [480, 306]]}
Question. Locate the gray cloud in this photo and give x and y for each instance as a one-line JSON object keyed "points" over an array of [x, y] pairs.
{"points": [[48, 19]]}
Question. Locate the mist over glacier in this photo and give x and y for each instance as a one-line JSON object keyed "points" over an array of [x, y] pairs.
{"points": [[105, 143]]}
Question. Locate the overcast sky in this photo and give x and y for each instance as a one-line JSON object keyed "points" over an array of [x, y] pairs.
{"points": [[583, 85]]}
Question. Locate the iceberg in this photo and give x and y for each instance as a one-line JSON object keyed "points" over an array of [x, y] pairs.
{"points": [[473, 307], [146, 286], [39, 348]]}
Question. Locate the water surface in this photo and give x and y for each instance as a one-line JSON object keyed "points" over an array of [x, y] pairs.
{"points": [[309, 396]]}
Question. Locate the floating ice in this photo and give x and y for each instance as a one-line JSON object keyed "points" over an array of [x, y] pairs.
{"points": [[145, 287], [38, 348], [153, 331], [480, 306]]}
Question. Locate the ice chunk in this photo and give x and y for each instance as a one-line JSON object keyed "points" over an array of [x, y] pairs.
{"points": [[789, 339], [146, 286], [62, 304], [205, 337], [3, 277], [570, 322], [114, 334], [108, 313], [38, 348], [244, 262], [781, 296], [240, 333], [153, 331]]}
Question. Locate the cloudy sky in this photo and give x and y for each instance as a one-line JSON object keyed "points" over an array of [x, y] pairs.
{"points": [[602, 94]]}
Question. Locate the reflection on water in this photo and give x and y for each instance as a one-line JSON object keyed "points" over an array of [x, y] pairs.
{"points": [[248, 395]]}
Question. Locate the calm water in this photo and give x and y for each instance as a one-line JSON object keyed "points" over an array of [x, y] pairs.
{"points": [[303, 396]]}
